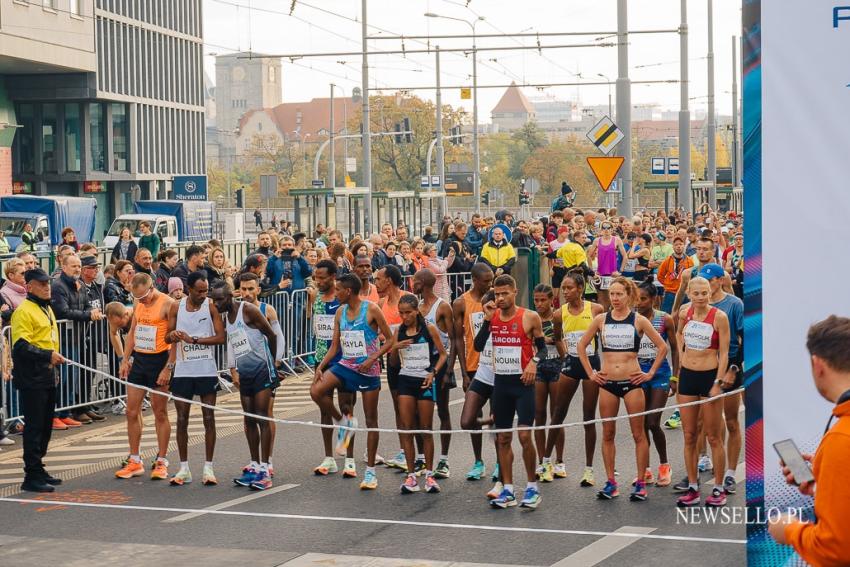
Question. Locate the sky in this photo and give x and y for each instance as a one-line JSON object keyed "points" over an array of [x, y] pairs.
{"points": [[321, 26]]}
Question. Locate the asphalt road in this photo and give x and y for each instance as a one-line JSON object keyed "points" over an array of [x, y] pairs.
{"points": [[308, 514]]}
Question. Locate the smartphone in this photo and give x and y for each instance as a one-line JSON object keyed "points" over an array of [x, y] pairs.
{"points": [[793, 459]]}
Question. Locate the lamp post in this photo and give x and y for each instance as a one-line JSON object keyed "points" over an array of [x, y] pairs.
{"points": [[476, 177], [610, 109]]}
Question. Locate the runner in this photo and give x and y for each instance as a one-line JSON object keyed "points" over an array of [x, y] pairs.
{"points": [[621, 330], [357, 371], [438, 312], [150, 364], [547, 386], [703, 333], [250, 343], [195, 325], [670, 271], [605, 249], [657, 390], [513, 329], [419, 354], [576, 316], [363, 270]]}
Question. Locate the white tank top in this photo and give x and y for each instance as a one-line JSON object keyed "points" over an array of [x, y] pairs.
{"points": [[194, 360], [431, 317]]}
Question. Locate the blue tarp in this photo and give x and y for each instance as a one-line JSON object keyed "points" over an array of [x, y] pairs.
{"points": [[76, 212], [194, 218]]}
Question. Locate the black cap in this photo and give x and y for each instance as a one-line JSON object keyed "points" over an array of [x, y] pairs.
{"points": [[89, 261], [36, 274]]}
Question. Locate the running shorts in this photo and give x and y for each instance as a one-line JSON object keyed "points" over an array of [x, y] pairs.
{"points": [[739, 376], [573, 368], [512, 397], [549, 370], [253, 385], [412, 386], [661, 380], [354, 382], [619, 387], [696, 382], [482, 389], [187, 387], [392, 377], [146, 368]]}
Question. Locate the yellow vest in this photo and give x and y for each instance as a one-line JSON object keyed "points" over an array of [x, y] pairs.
{"points": [[35, 325]]}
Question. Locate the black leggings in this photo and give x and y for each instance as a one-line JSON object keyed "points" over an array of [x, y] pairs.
{"points": [[512, 397]]}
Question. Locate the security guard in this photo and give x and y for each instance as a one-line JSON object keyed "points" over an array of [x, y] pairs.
{"points": [[35, 355]]}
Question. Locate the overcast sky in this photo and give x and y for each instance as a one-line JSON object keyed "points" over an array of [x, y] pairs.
{"points": [[265, 26]]}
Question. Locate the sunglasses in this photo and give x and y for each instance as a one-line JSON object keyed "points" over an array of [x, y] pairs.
{"points": [[144, 295]]}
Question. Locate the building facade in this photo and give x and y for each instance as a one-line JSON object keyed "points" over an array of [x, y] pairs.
{"points": [[117, 114]]}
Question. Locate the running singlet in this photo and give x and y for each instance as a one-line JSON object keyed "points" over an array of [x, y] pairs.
{"points": [[324, 313], [417, 358], [358, 340], [648, 351], [574, 327], [247, 349], [701, 335], [373, 295], [512, 349], [606, 255], [278, 331], [474, 315], [194, 360], [620, 336], [391, 313], [151, 327], [431, 317]]}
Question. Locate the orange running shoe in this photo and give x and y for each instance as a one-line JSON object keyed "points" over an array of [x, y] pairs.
{"points": [[664, 475], [58, 425], [70, 422], [160, 469], [130, 469]]}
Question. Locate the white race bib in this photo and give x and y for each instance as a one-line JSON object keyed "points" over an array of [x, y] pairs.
{"points": [[238, 340], [698, 335], [573, 337], [648, 350], [394, 328], [618, 336], [605, 282], [631, 265], [416, 357], [145, 338], [190, 352], [324, 327], [507, 359], [477, 319], [552, 352], [353, 344]]}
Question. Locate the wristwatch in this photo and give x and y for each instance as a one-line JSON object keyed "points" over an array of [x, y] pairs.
{"points": [[170, 366], [194, 340], [535, 359]]}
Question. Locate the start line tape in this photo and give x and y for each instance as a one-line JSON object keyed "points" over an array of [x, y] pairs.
{"points": [[170, 396]]}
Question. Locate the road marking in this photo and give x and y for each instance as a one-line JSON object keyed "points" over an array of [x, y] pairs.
{"points": [[230, 503], [488, 528], [18, 468], [457, 401], [741, 472], [604, 548]]}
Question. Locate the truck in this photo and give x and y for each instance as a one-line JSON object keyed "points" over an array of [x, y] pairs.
{"points": [[48, 216], [174, 221]]}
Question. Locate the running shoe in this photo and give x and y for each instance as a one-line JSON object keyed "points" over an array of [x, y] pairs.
{"points": [[560, 470], [495, 491], [343, 436], [609, 491], [496, 475], [704, 464], [379, 460], [729, 485], [327, 467], [6, 441], [539, 471], [664, 475], [160, 469], [209, 478], [262, 482], [674, 421], [548, 472], [688, 499], [442, 470], [249, 475], [146, 405], [349, 470], [370, 481], [648, 477], [130, 469], [476, 472], [717, 498], [410, 484], [683, 485], [397, 462], [431, 486], [505, 499], [118, 408], [639, 493], [531, 499], [418, 467], [587, 478], [183, 476]]}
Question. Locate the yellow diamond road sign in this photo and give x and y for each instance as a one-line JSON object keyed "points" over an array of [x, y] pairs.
{"points": [[605, 135], [465, 93]]}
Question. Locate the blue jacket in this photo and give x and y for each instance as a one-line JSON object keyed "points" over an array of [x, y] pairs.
{"points": [[295, 269], [475, 241]]}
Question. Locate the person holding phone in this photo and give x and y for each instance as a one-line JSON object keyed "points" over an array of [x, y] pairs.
{"points": [[826, 542]]}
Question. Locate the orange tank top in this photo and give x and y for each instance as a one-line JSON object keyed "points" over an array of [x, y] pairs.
{"points": [[473, 319], [373, 294], [151, 326]]}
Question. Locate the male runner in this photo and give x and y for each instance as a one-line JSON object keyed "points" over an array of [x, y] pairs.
{"points": [[150, 364], [250, 343], [357, 324], [195, 325], [363, 270], [513, 329]]}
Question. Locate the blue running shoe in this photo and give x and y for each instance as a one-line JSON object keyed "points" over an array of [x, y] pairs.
{"points": [[370, 481], [496, 475], [609, 491], [532, 498], [505, 500], [262, 482], [249, 475], [477, 471], [343, 435]]}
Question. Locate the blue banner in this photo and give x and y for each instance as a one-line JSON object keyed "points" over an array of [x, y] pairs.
{"points": [[189, 188]]}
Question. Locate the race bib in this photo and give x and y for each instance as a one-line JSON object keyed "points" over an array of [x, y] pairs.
{"points": [[507, 359], [324, 327], [698, 335], [238, 341], [190, 352], [415, 357], [394, 328], [617, 336], [573, 337], [477, 320], [487, 353], [552, 352], [648, 350], [353, 344], [631, 265], [605, 282], [145, 338]]}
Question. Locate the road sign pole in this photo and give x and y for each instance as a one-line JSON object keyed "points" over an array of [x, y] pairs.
{"points": [[443, 203], [712, 124], [367, 139], [685, 199], [624, 107]]}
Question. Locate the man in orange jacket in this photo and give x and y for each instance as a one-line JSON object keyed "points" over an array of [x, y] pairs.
{"points": [[670, 273], [826, 542]]}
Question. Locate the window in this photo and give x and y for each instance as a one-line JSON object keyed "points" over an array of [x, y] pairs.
{"points": [[271, 74], [119, 137], [48, 137], [26, 143], [49, 4], [75, 7], [97, 134], [72, 137]]}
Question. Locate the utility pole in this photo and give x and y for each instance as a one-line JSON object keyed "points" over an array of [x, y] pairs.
{"points": [[711, 177], [367, 139], [624, 108], [441, 168], [736, 177], [331, 164], [476, 177], [685, 196]]}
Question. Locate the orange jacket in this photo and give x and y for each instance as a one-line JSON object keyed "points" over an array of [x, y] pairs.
{"points": [[670, 279], [828, 541]]}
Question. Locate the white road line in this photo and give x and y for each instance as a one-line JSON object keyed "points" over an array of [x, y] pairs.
{"points": [[59, 458], [604, 548], [18, 468], [488, 528], [230, 503], [11, 480], [457, 401]]}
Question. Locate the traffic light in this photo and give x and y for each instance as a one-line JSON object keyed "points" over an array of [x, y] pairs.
{"points": [[398, 137], [524, 197], [240, 198], [485, 198], [408, 137], [455, 135]]}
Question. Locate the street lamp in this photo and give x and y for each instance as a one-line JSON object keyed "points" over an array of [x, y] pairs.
{"points": [[476, 183], [610, 113]]}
